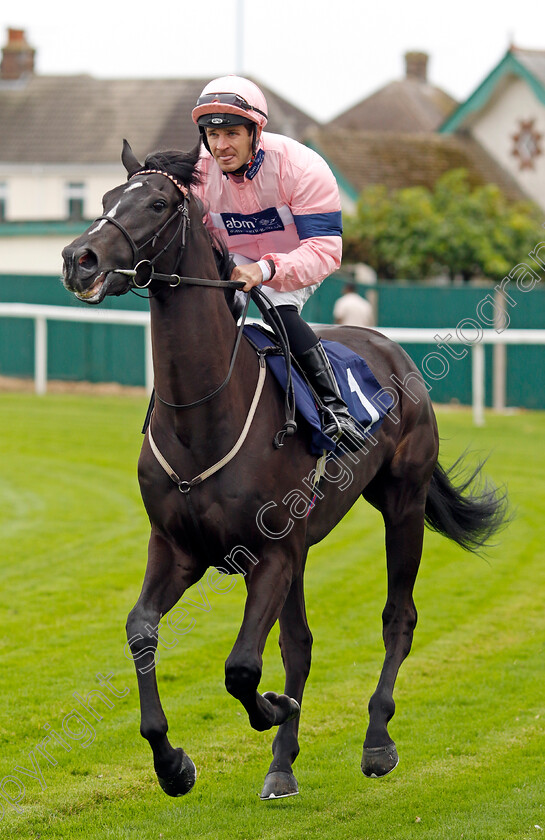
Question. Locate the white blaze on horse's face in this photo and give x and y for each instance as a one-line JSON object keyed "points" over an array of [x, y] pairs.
{"points": [[101, 224]]}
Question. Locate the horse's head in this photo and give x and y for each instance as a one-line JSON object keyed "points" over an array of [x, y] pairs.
{"points": [[142, 222]]}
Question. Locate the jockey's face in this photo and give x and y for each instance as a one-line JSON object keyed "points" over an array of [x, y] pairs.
{"points": [[231, 146]]}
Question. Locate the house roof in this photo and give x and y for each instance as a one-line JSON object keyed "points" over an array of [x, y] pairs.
{"points": [[533, 61], [362, 158], [408, 105], [81, 119], [525, 64], [411, 104]]}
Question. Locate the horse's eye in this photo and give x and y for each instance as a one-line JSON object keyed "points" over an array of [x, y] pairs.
{"points": [[159, 206]]}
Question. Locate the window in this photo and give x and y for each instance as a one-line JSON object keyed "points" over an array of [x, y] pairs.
{"points": [[75, 200]]}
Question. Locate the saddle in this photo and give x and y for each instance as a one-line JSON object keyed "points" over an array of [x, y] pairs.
{"points": [[357, 384]]}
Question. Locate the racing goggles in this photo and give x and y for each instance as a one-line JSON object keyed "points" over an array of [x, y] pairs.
{"points": [[228, 99]]}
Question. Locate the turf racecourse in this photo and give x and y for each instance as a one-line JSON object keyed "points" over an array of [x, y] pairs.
{"points": [[470, 699]]}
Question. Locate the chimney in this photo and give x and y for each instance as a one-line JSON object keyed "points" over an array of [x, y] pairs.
{"points": [[17, 57], [416, 66]]}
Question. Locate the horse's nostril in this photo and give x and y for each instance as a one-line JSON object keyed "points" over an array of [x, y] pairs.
{"points": [[86, 261]]}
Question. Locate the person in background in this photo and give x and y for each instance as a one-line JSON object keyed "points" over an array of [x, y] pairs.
{"points": [[352, 309], [275, 204]]}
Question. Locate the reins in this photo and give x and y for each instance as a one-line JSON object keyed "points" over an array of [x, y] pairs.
{"points": [[186, 486], [182, 229], [225, 382], [143, 274]]}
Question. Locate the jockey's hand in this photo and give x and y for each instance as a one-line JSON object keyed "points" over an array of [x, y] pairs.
{"points": [[250, 273]]}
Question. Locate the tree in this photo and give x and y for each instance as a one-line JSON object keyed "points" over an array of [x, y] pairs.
{"points": [[457, 229]]}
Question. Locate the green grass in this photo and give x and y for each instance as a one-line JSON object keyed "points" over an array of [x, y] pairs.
{"points": [[470, 713]]}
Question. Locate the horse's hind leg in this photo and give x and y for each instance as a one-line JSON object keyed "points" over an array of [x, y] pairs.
{"points": [[167, 577], [295, 645], [402, 505]]}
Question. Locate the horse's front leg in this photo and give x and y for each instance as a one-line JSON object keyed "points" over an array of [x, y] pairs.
{"points": [[168, 574], [296, 646], [268, 584]]}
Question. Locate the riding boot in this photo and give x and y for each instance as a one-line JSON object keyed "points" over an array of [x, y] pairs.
{"points": [[336, 419]]}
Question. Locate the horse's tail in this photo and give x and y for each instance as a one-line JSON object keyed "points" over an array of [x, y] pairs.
{"points": [[469, 511]]}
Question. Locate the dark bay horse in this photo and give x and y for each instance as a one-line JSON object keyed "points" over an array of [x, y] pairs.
{"points": [[253, 505]]}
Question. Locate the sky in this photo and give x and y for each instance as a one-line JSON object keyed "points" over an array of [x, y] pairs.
{"points": [[322, 55]]}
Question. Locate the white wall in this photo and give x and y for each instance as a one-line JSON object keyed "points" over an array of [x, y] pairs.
{"points": [[496, 124], [32, 254], [37, 192]]}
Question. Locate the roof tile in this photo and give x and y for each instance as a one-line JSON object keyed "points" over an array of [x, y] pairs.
{"points": [[409, 105], [364, 158], [80, 119]]}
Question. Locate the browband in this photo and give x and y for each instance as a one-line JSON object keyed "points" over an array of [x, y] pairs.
{"points": [[183, 189]]}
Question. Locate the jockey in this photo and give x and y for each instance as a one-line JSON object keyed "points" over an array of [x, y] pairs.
{"points": [[275, 203]]}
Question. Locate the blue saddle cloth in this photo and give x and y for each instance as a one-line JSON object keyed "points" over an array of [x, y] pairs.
{"points": [[357, 385]]}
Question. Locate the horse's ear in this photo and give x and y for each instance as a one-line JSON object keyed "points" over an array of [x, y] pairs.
{"points": [[129, 160]]}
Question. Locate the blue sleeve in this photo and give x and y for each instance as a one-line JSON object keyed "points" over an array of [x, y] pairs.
{"points": [[319, 224]]}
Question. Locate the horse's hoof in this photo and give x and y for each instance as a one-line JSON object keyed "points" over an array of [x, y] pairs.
{"points": [[182, 781], [378, 761], [278, 785], [286, 705]]}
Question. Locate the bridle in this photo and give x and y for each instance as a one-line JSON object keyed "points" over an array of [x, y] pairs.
{"points": [[143, 274], [145, 265]]}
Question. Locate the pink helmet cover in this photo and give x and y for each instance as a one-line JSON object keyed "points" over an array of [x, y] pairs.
{"points": [[241, 87]]}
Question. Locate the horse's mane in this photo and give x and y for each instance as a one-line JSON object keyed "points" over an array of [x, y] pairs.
{"points": [[182, 166]]}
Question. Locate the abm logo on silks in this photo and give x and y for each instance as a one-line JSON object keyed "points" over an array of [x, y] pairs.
{"points": [[253, 223]]}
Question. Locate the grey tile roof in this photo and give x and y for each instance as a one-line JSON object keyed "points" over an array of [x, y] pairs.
{"points": [[364, 158], [81, 119], [408, 105]]}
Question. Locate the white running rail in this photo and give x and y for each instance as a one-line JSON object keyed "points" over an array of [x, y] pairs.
{"points": [[41, 314]]}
